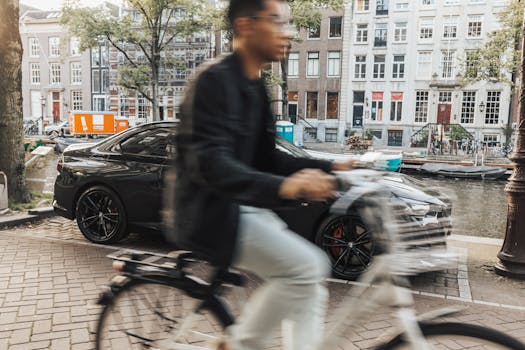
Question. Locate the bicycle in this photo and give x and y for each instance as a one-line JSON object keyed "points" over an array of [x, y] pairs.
{"points": [[157, 302]]}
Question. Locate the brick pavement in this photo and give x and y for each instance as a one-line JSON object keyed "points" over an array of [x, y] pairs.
{"points": [[50, 279]]}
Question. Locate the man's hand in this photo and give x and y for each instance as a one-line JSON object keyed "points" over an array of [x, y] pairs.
{"points": [[309, 184], [343, 165]]}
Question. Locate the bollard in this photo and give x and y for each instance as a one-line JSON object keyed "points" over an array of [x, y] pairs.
{"points": [[3, 191]]}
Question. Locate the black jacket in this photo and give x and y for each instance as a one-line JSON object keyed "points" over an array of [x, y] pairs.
{"points": [[226, 158]]}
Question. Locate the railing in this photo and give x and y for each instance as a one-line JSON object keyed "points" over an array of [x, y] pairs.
{"points": [[308, 126]]}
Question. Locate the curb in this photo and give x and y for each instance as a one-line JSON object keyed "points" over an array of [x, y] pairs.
{"points": [[31, 216]]}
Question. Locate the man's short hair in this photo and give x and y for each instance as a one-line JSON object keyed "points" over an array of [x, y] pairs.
{"points": [[244, 8]]}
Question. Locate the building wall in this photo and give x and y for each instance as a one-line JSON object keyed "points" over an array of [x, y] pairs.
{"points": [[413, 13], [57, 96]]}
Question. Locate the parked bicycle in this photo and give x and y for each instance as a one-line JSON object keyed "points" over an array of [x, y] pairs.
{"points": [[158, 302]]}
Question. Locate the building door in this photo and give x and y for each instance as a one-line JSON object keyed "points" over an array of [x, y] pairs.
{"points": [[56, 107], [395, 138], [358, 116], [443, 117], [292, 112]]}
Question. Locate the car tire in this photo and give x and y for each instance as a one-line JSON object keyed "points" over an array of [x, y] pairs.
{"points": [[101, 216], [349, 244]]}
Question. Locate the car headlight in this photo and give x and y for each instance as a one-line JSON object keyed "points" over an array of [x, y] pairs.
{"points": [[416, 208]]}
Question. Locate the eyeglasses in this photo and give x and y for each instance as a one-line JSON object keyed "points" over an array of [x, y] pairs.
{"points": [[285, 25]]}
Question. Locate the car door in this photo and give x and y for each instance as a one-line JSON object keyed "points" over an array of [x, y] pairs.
{"points": [[146, 158]]}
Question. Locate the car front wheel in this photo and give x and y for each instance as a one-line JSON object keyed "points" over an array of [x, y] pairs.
{"points": [[101, 216], [348, 243]]}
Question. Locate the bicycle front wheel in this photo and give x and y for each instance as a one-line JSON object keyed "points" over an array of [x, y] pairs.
{"points": [[149, 315], [458, 336]]}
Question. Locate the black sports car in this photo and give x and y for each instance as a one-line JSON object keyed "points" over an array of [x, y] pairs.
{"points": [[116, 186]]}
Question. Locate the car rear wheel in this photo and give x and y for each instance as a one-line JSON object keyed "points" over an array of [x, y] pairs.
{"points": [[348, 243], [101, 216]]}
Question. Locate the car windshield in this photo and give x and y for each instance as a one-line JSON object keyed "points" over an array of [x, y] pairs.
{"points": [[290, 148]]}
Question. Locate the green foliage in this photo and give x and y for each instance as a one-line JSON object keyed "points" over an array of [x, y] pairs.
{"points": [[457, 132], [36, 199], [158, 25], [500, 54]]}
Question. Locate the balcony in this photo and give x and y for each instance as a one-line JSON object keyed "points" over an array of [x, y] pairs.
{"points": [[381, 12], [379, 42]]}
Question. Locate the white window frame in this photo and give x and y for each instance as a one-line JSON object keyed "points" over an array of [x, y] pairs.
{"points": [[451, 2], [426, 63], [312, 64], [475, 26], [468, 107], [365, 6], [74, 46], [333, 64], [361, 33], [398, 115], [426, 29], [421, 106], [450, 26], [398, 67], [34, 47], [54, 46], [359, 67], [76, 73], [428, 2], [402, 5], [447, 64], [34, 72], [381, 33], [293, 65], [76, 100], [400, 32], [493, 107], [55, 73], [381, 68]]}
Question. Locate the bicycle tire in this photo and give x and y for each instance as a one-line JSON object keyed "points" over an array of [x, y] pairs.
{"points": [[137, 303], [483, 335]]}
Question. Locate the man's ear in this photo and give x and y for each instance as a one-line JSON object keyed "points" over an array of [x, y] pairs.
{"points": [[242, 26]]}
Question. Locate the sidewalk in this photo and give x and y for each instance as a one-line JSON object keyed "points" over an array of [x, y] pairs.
{"points": [[50, 278]]}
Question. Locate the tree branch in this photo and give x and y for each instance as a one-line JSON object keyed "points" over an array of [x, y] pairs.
{"points": [[121, 50]]}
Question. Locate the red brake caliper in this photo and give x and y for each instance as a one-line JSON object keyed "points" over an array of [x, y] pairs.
{"points": [[337, 233]]}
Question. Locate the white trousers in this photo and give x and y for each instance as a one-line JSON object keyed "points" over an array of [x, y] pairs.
{"points": [[293, 270]]}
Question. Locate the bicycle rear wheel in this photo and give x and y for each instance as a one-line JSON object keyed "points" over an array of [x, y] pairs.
{"points": [[458, 336], [149, 315]]}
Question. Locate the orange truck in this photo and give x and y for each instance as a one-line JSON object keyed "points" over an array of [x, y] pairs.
{"points": [[96, 123]]}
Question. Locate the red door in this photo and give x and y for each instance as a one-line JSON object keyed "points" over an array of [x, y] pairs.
{"points": [[443, 117], [56, 107]]}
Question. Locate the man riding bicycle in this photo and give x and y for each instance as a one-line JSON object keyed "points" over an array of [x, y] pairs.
{"points": [[230, 176]]}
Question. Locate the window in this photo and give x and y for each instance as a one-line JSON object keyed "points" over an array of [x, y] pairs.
{"points": [[55, 73], [427, 2], [95, 81], [381, 7], [105, 80], [76, 73], [34, 47], [361, 33], [330, 135], [477, 1], [312, 69], [311, 104], [379, 67], [470, 64], [153, 143], [336, 24], [395, 138], [400, 32], [475, 24], [447, 64], [451, 2], [34, 71], [402, 5], [398, 68], [123, 104], [377, 106], [293, 64], [334, 63], [491, 140], [468, 107], [54, 47], [95, 57], [99, 103], [492, 108], [396, 106], [424, 64], [363, 5], [445, 97], [314, 32], [426, 28], [76, 100], [332, 105], [360, 67], [421, 115], [141, 107], [74, 45], [450, 27], [381, 34]]}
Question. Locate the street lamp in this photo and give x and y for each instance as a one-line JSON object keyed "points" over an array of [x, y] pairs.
{"points": [[481, 106], [512, 255], [43, 103]]}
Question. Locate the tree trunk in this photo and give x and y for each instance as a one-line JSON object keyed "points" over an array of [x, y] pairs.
{"points": [[11, 130], [155, 88]]}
